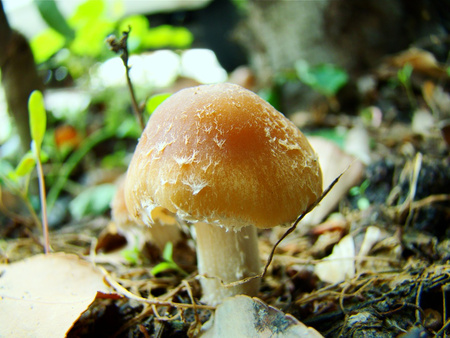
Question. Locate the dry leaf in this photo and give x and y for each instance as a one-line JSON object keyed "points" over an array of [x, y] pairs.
{"points": [[333, 162], [421, 60], [422, 122], [44, 295], [340, 265], [242, 316]]}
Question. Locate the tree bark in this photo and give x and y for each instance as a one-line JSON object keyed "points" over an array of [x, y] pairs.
{"points": [[19, 76]]}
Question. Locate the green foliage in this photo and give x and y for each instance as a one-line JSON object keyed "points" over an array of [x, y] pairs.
{"points": [[73, 160], [241, 5], [168, 263], [26, 165], [404, 74], [115, 160], [54, 19], [168, 36], [92, 27], [359, 192], [143, 37], [87, 12], [89, 27], [92, 201], [38, 118], [131, 255], [327, 79], [38, 125], [139, 26], [46, 44], [154, 101], [272, 96], [84, 33], [117, 119], [335, 135]]}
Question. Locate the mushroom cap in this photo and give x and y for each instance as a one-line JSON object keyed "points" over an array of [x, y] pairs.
{"points": [[221, 154]]}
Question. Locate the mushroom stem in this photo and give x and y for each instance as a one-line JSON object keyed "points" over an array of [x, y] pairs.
{"points": [[229, 256], [161, 234]]}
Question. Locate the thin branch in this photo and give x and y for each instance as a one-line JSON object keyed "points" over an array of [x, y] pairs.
{"points": [[152, 301], [121, 47], [290, 230]]}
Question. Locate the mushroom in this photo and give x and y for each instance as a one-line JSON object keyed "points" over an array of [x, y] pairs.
{"points": [[223, 158], [164, 228]]}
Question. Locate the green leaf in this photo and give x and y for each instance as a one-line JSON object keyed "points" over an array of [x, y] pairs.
{"points": [[336, 135], [168, 251], [53, 17], [87, 12], [168, 36], [326, 78], [364, 185], [26, 164], [90, 38], [168, 263], [93, 201], [131, 255], [162, 267], [154, 101], [46, 44], [404, 74], [38, 118], [92, 27], [354, 191], [5, 167]]}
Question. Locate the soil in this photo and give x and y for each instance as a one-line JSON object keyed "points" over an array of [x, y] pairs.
{"points": [[400, 289]]}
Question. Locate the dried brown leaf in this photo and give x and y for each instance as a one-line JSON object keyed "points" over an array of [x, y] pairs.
{"points": [[44, 295]]}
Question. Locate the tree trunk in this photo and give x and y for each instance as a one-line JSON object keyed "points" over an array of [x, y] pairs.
{"points": [[19, 76], [352, 34]]}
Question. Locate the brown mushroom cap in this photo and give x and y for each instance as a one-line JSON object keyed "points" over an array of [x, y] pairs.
{"points": [[221, 154]]}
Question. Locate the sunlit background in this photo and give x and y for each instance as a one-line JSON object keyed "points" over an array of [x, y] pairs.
{"points": [[160, 55]]}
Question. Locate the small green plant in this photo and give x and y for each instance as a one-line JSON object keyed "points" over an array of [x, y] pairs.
{"points": [[404, 76], [168, 263], [326, 79], [359, 192], [131, 255], [38, 125], [17, 182]]}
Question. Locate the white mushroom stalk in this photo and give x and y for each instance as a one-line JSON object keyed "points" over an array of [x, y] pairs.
{"points": [[218, 263], [223, 158]]}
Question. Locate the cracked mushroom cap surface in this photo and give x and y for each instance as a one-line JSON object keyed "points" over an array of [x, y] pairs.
{"points": [[221, 154]]}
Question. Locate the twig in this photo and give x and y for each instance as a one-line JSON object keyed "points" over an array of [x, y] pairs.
{"points": [[443, 330], [121, 47], [288, 231], [152, 301]]}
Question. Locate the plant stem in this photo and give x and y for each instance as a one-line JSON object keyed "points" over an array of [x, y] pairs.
{"points": [[121, 47], [42, 195], [136, 110]]}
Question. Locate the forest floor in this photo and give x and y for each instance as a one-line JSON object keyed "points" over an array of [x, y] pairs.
{"points": [[387, 240]]}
